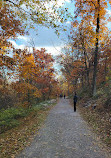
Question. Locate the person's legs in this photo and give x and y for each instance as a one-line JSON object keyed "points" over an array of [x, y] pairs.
{"points": [[74, 106]]}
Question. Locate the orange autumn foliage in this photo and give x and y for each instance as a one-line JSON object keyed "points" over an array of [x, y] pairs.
{"points": [[35, 75]]}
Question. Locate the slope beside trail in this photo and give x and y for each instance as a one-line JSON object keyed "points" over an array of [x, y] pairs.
{"points": [[64, 135]]}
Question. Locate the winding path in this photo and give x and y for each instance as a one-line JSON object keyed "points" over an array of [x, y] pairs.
{"points": [[64, 135]]}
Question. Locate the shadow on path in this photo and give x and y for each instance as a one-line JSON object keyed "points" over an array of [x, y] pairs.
{"points": [[64, 135]]}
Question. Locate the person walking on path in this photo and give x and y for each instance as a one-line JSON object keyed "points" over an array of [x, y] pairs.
{"points": [[64, 134], [75, 101]]}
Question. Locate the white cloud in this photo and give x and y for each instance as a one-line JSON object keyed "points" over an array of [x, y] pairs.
{"points": [[52, 50], [13, 43], [49, 49], [61, 2], [22, 37], [68, 22], [16, 45], [109, 12], [68, 1]]}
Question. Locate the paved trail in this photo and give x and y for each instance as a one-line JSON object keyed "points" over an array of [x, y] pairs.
{"points": [[64, 135]]}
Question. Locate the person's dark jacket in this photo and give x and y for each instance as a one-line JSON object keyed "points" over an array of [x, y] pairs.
{"points": [[75, 98]]}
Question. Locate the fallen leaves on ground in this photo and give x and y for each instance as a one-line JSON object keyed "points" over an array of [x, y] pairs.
{"points": [[98, 119], [14, 140]]}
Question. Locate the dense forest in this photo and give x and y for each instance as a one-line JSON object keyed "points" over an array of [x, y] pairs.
{"points": [[86, 62], [29, 77], [25, 77]]}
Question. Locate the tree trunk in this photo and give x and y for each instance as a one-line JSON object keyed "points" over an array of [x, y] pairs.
{"points": [[105, 68], [88, 73], [85, 63], [82, 80], [96, 52], [88, 78]]}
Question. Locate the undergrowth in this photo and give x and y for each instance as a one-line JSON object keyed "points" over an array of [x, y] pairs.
{"points": [[27, 123], [99, 118], [10, 118]]}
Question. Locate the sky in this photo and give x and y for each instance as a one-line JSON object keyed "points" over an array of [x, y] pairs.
{"points": [[46, 38], [43, 38]]}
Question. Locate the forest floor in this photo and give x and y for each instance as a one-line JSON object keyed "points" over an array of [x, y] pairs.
{"points": [[65, 135], [98, 117], [14, 140]]}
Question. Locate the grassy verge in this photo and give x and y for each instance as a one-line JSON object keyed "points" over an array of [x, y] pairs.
{"points": [[26, 127]]}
